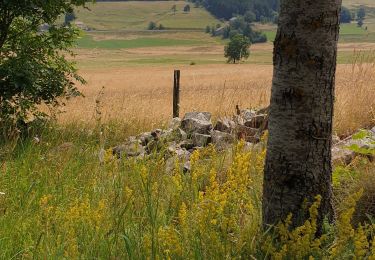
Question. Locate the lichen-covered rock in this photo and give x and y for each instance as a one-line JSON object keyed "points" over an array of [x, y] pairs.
{"points": [[131, 148], [222, 140], [247, 133], [187, 144], [201, 140], [156, 133], [225, 125], [248, 114], [145, 138], [175, 123], [342, 155], [346, 150], [196, 122]]}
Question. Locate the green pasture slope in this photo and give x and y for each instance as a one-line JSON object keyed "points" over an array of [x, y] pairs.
{"points": [[136, 15], [87, 41]]}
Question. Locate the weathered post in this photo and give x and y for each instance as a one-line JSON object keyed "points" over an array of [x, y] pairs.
{"points": [[176, 94]]}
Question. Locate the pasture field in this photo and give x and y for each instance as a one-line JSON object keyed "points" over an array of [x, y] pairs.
{"points": [[141, 96], [136, 15], [356, 3], [135, 66], [195, 53]]}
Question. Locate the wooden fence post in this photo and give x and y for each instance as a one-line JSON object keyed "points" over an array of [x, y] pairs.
{"points": [[176, 94]]}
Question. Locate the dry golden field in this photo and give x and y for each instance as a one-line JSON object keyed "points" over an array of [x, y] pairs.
{"points": [[142, 95]]}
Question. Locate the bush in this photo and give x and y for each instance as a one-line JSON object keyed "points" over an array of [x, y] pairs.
{"points": [[34, 70], [187, 8], [152, 26], [208, 29], [346, 15]]}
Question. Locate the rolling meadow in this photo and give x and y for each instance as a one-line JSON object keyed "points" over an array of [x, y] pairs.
{"points": [[64, 195]]}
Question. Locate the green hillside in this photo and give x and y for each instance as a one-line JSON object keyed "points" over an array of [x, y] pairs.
{"points": [[137, 15]]}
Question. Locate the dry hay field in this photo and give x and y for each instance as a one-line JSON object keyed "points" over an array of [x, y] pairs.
{"points": [[141, 96]]}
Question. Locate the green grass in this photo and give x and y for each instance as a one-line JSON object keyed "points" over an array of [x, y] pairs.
{"points": [[88, 42], [135, 15], [348, 33], [58, 201]]}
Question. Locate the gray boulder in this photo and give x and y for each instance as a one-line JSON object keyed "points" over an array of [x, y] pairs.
{"points": [[187, 144], [248, 114], [170, 135], [247, 133], [341, 152], [225, 125], [201, 140], [196, 122], [131, 148], [175, 123], [145, 138], [222, 140]]}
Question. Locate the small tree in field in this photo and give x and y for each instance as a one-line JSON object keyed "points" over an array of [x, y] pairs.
{"points": [[187, 8], [69, 17], [237, 49]]}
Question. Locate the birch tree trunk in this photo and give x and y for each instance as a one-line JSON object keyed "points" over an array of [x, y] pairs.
{"points": [[298, 163]]}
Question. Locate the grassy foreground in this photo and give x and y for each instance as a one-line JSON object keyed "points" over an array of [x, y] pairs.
{"points": [[58, 201]]}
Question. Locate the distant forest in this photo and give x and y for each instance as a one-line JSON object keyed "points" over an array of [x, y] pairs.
{"points": [[262, 10]]}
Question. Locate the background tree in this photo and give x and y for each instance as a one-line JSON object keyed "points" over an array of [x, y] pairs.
{"points": [[69, 17], [361, 14], [237, 49], [33, 67], [187, 8], [298, 162], [346, 15], [152, 26]]}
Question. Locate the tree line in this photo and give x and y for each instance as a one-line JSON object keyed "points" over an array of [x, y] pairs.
{"points": [[261, 10]]}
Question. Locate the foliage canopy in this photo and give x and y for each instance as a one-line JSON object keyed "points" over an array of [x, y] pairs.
{"points": [[237, 49], [34, 70]]}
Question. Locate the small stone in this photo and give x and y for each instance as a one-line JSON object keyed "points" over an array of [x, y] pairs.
{"points": [[201, 140], [248, 114], [175, 123], [187, 166], [221, 140], [342, 155], [187, 144], [180, 134], [196, 122], [225, 125], [247, 133], [256, 121], [145, 138], [341, 152], [156, 133], [183, 154], [132, 148]]}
